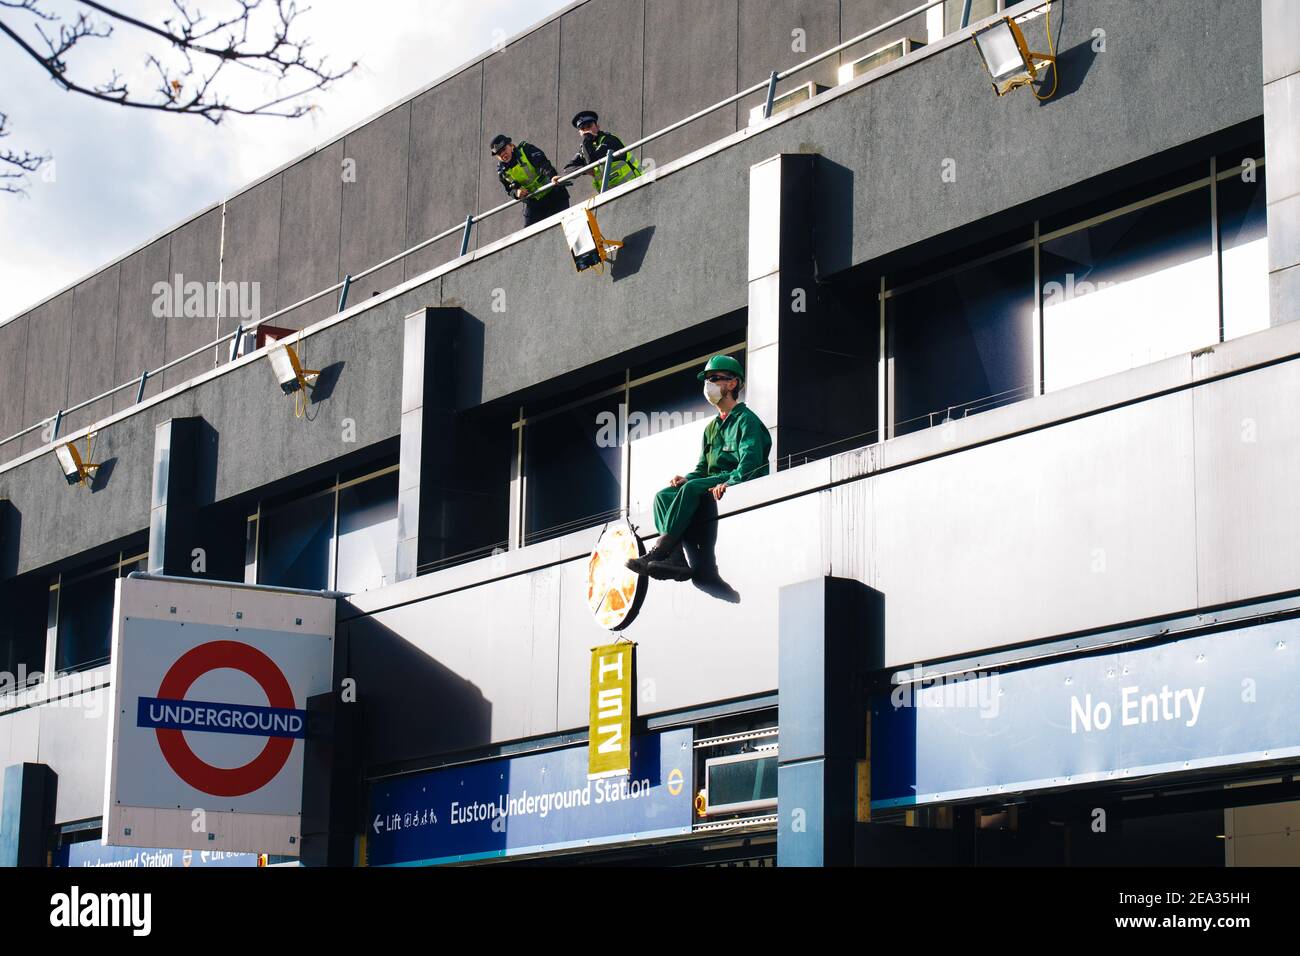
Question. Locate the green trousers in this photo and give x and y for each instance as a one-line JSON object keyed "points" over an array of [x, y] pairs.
{"points": [[675, 507]]}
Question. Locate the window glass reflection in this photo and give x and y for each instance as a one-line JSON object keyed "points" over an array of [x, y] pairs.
{"points": [[367, 534], [1243, 244], [1129, 291], [964, 343]]}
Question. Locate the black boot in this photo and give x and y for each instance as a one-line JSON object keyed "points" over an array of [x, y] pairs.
{"points": [[672, 567], [663, 547]]}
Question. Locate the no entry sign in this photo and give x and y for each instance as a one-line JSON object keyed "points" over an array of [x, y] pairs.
{"points": [[209, 713]]}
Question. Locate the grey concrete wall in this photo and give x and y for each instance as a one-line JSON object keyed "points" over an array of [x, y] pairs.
{"points": [[882, 147], [140, 333], [310, 231], [777, 39], [258, 439], [447, 152], [690, 63], [601, 69], [375, 203], [682, 265], [13, 376], [519, 88], [651, 62], [195, 257], [252, 250], [49, 339], [92, 350]]}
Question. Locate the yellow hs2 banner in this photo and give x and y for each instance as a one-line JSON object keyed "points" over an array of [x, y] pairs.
{"points": [[610, 751]]}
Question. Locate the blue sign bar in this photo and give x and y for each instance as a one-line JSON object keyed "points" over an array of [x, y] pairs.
{"points": [[1219, 699], [531, 803], [94, 854], [221, 718]]}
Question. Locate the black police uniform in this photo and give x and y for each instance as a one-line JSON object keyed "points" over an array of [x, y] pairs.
{"points": [[555, 199], [594, 147]]}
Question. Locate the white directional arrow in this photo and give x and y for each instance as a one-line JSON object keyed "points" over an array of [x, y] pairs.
{"points": [[377, 818]]}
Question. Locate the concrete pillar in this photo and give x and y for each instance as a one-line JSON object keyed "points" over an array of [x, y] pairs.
{"points": [[1281, 27], [429, 388], [831, 634], [172, 508], [331, 779], [811, 362], [26, 813]]}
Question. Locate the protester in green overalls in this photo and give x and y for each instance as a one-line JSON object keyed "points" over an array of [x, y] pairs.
{"points": [[596, 143], [734, 449], [526, 174]]}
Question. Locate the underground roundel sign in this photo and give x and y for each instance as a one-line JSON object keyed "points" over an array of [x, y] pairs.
{"points": [[172, 713], [614, 593]]}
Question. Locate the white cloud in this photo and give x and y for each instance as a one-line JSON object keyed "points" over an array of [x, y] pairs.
{"points": [[122, 176]]}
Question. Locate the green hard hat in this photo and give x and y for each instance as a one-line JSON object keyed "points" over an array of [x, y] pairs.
{"points": [[723, 363]]}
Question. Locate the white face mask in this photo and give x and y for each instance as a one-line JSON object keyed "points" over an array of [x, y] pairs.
{"points": [[713, 392]]}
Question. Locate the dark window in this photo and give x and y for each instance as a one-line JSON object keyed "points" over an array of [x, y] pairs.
{"points": [[573, 468], [22, 627], [295, 543], [85, 616], [964, 343]]}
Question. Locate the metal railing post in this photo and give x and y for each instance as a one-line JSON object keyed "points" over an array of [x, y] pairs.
{"points": [[343, 295], [139, 392], [464, 236], [771, 95], [604, 176], [58, 420]]}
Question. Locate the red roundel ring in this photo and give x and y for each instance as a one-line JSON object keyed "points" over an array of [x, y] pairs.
{"points": [[223, 781]]}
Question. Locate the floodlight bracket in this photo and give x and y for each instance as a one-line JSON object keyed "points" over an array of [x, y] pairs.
{"points": [[306, 377], [86, 470]]}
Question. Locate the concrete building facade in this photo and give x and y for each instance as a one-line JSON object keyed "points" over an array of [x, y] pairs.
{"points": [[1028, 366]]}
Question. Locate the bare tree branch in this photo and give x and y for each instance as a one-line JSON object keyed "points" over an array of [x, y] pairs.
{"points": [[194, 50], [15, 167]]}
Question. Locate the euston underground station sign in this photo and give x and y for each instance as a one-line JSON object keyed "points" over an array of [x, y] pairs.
{"points": [[1220, 699], [530, 804], [209, 718]]}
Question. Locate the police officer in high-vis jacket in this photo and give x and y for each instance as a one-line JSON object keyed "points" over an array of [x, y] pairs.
{"points": [[596, 143], [527, 174], [734, 449]]}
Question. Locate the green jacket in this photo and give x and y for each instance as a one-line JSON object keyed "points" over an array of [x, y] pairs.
{"points": [[736, 449]]}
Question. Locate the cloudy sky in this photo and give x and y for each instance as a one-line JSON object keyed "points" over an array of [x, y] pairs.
{"points": [[121, 176]]}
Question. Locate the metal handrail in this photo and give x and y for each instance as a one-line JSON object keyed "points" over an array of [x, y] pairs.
{"points": [[768, 84]]}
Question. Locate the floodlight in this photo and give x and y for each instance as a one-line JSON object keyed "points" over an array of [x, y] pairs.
{"points": [[588, 247], [1008, 59], [75, 470], [289, 371]]}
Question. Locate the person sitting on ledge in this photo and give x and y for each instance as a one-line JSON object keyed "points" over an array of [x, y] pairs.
{"points": [[734, 449]]}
